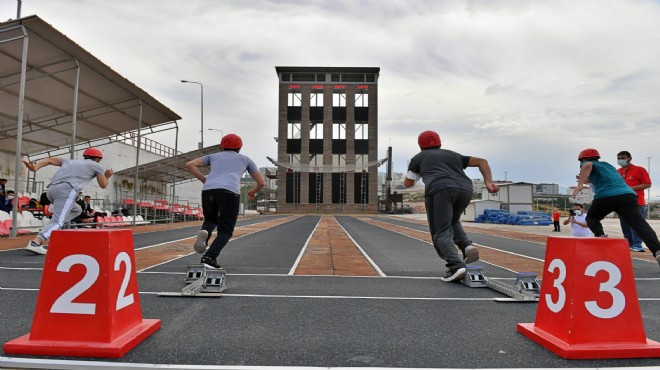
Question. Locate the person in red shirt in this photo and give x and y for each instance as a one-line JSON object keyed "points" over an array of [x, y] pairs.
{"points": [[555, 220], [638, 179]]}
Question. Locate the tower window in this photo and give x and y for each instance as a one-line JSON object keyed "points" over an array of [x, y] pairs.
{"points": [[294, 99]]}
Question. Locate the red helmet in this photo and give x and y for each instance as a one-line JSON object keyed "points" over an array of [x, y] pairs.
{"points": [[231, 141], [428, 139], [588, 153], [92, 152]]}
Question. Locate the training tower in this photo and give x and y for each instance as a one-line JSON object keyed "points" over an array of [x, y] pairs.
{"points": [[327, 140]]}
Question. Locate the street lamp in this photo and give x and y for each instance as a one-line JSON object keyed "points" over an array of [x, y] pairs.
{"points": [[221, 132], [201, 144]]}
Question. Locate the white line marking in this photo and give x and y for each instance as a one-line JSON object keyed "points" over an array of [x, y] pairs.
{"points": [[302, 251], [186, 255], [373, 264], [35, 363]]}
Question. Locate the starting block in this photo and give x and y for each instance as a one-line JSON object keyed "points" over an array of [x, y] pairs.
{"points": [[527, 284], [194, 272], [202, 282], [474, 277], [526, 289]]}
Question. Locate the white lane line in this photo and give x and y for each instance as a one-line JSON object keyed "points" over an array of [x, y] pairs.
{"points": [[373, 264], [305, 276], [302, 251], [35, 363], [193, 237], [186, 255], [480, 245], [384, 298]]}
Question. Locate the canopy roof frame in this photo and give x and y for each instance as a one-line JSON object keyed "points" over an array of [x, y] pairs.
{"points": [[105, 100]]}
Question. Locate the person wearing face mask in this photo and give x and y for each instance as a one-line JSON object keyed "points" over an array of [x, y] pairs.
{"points": [[578, 222], [638, 179], [612, 194], [7, 203]]}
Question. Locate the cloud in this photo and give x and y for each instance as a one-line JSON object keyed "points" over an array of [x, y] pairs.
{"points": [[526, 84]]}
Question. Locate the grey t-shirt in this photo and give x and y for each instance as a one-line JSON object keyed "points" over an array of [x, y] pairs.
{"points": [[227, 168], [77, 172], [441, 169]]}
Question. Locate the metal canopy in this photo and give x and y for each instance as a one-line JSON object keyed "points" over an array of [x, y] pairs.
{"points": [[107, 103], [327, 168], [54, 94], [162, 170]]}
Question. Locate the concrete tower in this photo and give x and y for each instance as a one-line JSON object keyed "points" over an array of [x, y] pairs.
{"points": [[327, 139]]}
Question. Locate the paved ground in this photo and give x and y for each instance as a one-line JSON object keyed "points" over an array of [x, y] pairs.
{"points": [[311, 291]]}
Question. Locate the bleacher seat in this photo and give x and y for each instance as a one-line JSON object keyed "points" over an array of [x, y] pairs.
{"points": [[8, 225], [3, 230], [4, 216], [139, 220]]}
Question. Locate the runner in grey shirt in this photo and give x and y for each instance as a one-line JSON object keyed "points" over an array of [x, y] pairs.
{"points": [[447, 193], [63, 189], [221, 194]]}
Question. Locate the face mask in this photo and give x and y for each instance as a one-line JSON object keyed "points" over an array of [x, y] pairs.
{"points": [[623, 162], [10, 197], [578, 212]]}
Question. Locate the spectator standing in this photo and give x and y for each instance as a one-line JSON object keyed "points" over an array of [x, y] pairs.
{"points": [[577, 220], [555, 220], [638, 179], [447, 192], [612, 194]]}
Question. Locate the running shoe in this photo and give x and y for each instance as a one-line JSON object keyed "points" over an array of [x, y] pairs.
{"points": [[210, 263], [200, 243], [36, 248], [454, 274], [470, 254], [637, 248]]}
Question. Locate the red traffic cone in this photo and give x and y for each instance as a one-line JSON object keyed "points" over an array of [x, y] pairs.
{"points": [[88, 304], [588, 307]]}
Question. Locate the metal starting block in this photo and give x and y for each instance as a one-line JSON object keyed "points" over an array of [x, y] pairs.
{"points": [[527, 284], [474, 277], [526, 289], [215, 281], [202, 282], [195, 272]]}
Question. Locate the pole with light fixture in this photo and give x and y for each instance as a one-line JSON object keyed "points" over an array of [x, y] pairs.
{"points": [[201, 144]]}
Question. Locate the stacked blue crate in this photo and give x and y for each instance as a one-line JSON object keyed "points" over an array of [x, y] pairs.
{"points": [[523, 218]]}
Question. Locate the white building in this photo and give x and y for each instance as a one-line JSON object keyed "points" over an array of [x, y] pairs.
{"points": [[513, 197], [477, 207]]}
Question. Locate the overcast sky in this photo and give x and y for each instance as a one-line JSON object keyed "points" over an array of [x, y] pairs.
{"points": [[524, 84]]}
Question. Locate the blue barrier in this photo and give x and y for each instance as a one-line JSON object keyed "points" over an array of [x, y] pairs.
{"points": [[523, 218]]}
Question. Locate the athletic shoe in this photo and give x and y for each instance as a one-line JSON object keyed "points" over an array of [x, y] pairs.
{"points": [[454, 274], [657, 257], [471, 254], [200, 243], [637, 248], [36, 248], [210, 263]]}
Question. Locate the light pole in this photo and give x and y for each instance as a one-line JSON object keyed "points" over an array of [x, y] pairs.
{"points": [[221, 132], [201, 144]]}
